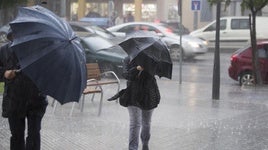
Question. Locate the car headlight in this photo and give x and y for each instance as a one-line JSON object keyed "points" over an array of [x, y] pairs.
{"points": [[193, 44], [205, 42]]}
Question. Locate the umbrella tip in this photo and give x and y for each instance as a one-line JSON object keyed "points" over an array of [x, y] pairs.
{"points": [[73, 38]]}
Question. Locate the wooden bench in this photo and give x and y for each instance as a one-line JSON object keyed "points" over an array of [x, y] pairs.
{"points": [[95, 81], [93, 72]]}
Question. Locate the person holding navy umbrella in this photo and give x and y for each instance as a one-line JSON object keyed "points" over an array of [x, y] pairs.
{"points": [[22, 101]]}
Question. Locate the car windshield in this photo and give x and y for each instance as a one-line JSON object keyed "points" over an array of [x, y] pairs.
{"points": [[171, 29], [97, 43], [167, 29], [102, 32]]}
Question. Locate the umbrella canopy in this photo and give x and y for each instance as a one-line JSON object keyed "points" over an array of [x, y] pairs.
{"points": [[147, 50], [49, 53]]}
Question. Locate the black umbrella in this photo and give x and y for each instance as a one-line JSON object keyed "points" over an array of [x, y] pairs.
{"points": [[147, 49], [49, 53]]}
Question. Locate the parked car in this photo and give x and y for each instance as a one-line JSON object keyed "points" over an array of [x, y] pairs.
{"points": [[109, 56], [191, 46], [241, 64], [3, 33], [96, 19], [85, 29], [234, 31]]}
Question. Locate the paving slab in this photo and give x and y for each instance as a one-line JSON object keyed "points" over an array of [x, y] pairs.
{"points": [[187, 119]]}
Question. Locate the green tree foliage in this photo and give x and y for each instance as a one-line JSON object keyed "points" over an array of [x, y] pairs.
{"points": [[254, 5]]}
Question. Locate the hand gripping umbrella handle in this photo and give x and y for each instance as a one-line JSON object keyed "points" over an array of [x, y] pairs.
{"points": [[18, 70]]}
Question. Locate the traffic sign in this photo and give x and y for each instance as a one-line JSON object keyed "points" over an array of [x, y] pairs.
{"points": [[196, 4]]}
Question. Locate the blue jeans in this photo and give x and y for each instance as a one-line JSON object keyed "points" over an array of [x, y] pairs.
{"points": [[139, 120]]}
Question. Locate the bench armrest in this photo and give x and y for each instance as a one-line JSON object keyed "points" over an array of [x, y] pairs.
{"points": [[112, 73], [92, 80]]}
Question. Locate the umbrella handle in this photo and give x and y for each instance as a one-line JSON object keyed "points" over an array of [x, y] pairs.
{"points": [[139, 73]]}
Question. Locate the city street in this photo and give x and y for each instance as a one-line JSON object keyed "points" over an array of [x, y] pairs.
{"points": [[187, 118]]}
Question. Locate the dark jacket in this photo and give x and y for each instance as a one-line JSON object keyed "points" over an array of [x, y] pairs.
{"points": [[21, 96], [144, 91]]}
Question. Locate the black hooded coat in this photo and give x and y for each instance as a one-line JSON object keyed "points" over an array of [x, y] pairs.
{"points": [[142, 89], [20, 96]]}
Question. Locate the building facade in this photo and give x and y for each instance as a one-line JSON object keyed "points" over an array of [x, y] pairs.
{"points": [[145, 10]]}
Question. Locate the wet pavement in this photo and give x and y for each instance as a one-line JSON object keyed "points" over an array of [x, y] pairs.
{"points": [[187, 118]]}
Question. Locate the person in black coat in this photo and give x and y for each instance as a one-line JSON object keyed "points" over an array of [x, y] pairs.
{"points": [[143, 97], [21, 100]]}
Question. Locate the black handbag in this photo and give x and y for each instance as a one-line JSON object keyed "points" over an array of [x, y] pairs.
{"points": [[124, 97]]}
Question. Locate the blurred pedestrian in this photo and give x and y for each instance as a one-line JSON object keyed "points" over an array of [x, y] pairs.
{"points": [[119, 19], [129, 17], [142, 97], [21, 101], [112, 19]]}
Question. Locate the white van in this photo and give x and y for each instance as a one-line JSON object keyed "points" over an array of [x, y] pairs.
{"points": [[234, 31]]}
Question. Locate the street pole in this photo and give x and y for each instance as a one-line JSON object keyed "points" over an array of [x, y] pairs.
{"points": [[216, 68], [63, 9], [195, 20], [81, 9], [180, 14], [138, 7], [111, 12]]}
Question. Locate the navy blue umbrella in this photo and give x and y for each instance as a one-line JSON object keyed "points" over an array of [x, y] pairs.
{"points": [[49, 53], [147, 50]]}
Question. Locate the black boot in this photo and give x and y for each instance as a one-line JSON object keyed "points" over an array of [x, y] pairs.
{"points": [[145, 147]]}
